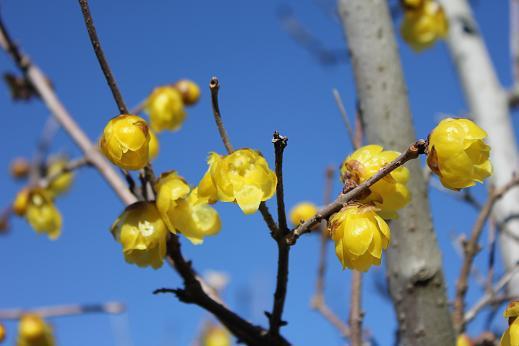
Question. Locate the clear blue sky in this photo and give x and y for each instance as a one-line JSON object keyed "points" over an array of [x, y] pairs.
{"points": [[268, 83]]}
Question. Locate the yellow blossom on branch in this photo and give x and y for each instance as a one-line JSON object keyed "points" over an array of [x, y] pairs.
{"points": [[183, 210], [424, 22], [511, 335], [63, 181], [189, 91], [390, 193], [458, 154], [243, 177], [142, 233], [166, 109], [302, 212], [125, 142], [360, 235], [216, 336], [34, 331]]}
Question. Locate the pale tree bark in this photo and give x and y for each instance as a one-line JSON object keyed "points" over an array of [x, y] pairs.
{"points": [[413, 259], [489, 107]]}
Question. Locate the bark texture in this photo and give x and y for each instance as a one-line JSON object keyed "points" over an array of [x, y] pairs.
{"points": [[413, 259]]}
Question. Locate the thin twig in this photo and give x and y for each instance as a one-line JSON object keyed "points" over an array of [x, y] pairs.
{"points": [[344, 115], [489, 296], [275, 318], [64, 310], [355, 320], [514, 40], [139, 108], [40, 83], [491, 254], [411, 153], [193, 293], [471, 248], [214, 86], [47, 135], [96, 44], [69, 167]]}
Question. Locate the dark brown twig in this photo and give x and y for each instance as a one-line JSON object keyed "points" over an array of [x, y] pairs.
{"points": [[193, 293], [275, 318], [411, 153], [64, 310], [214, 86], [471, 248], [96, 44]]}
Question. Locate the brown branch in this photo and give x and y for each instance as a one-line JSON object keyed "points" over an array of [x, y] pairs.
{"points": [[214, 86], [64, 310], [411, 153], [514, 40], [355, 319], [193, 293], [275, 318], [96, 44], [471, 248], [40, 83], [489, 297], [344, 116]]}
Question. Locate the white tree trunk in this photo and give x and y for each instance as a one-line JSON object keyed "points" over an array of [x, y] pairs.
{"points": [[489, 107]]}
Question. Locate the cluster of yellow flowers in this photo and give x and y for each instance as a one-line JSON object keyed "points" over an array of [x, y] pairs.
{"points": [[424, 22], [456, 152], [36, 204], [34, 331]]}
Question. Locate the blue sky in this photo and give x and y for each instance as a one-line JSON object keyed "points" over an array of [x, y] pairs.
{"points": [[268, 83]]}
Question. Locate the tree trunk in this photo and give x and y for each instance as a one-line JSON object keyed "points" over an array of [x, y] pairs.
{"points": [[413, 260], [488, 103]]}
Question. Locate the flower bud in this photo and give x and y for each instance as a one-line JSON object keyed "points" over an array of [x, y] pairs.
{"points": [[20, 168], [390, 193], [42, 214], [423, 25], [458, 154], [34, 331], [125, 142], [153, 146], [216, 336], [142, 234], [463, 340], [63, 181], [189, 90], [3, 333], [243, 176], [360, 235], [302, 212], [21, 202], [166, 109]]}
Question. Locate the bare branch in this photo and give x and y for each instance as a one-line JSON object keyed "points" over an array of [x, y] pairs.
{"points": [[344, 115], [96, 44], [411, 153], [214, 86], [64, 310], [471, 248]]}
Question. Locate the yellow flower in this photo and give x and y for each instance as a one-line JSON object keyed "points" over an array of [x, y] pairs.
{"points": [[34, 331], [458, 154], [165, 108], [36, 206], [2, 333], [302, 212], [423, 25], [390, 193], [216, 336], [463, 340], [189, 90], [154, 146], [63, 181], [511, 335], [360, 235], [125, 142], [142, 233], [243, 176], [183, 211], [20, 168]]}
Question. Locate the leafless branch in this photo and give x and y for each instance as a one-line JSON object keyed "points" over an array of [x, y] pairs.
{"points": [[411, 153], [344, 115], [64, 310], [96, 44], [471, 248], [489, 297], [356, 315]]}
